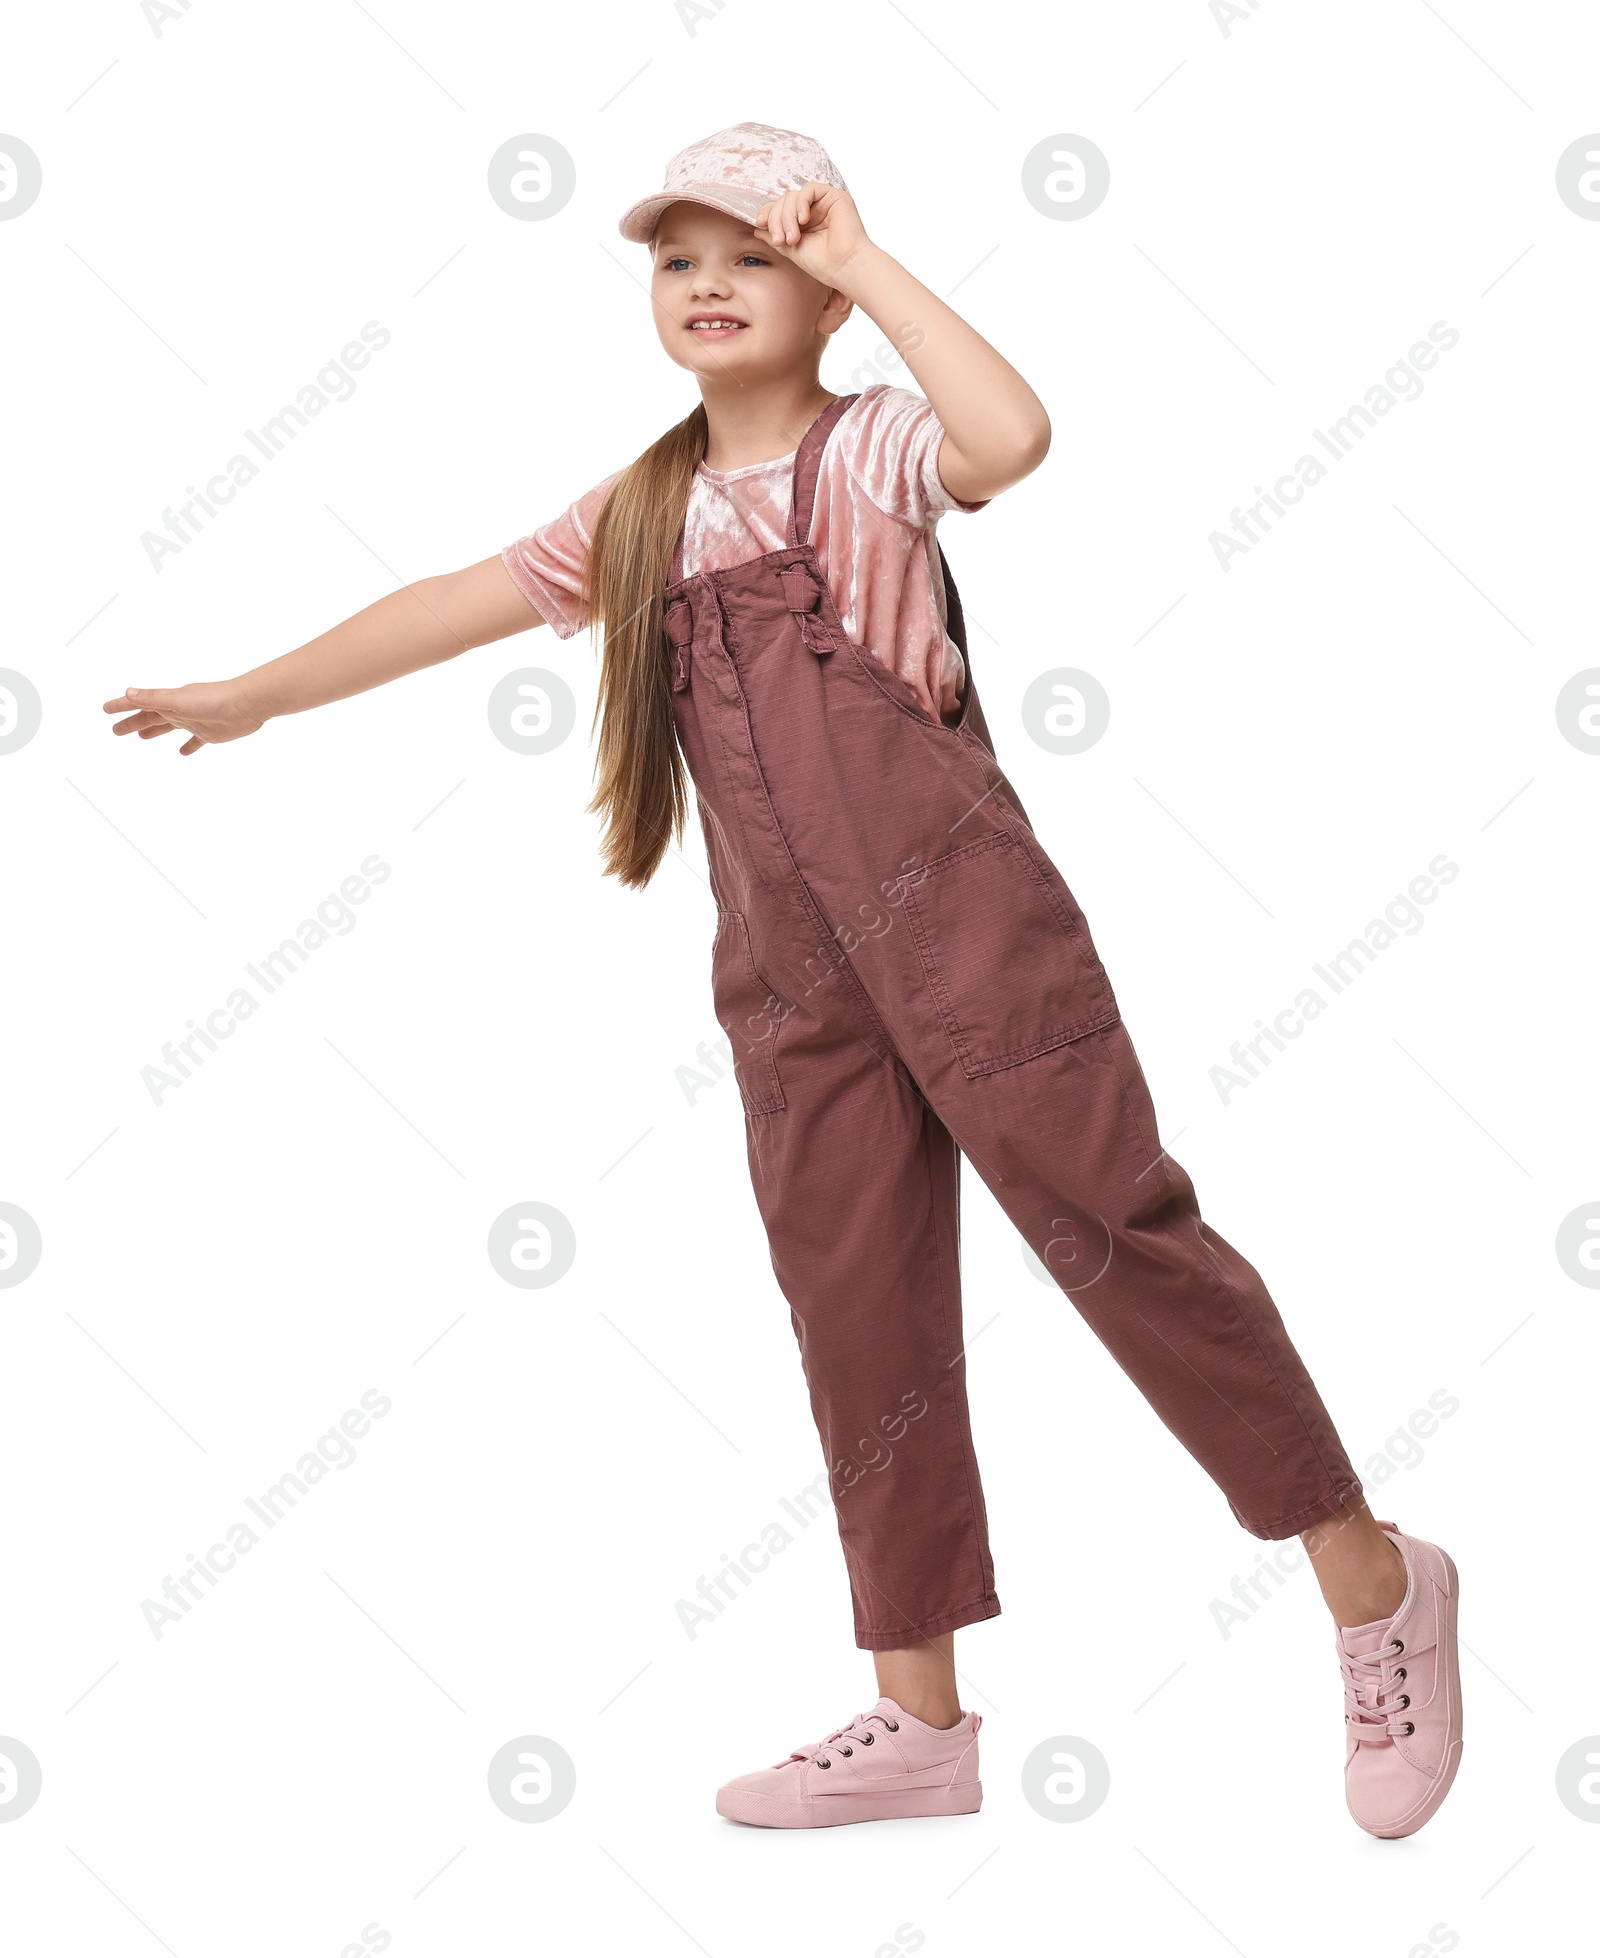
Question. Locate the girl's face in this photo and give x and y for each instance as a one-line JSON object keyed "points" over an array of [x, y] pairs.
{"points": [[730, 308]]}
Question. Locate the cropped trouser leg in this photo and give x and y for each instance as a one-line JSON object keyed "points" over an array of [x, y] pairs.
{"points": [[1068, 1145], [857, 1181]]}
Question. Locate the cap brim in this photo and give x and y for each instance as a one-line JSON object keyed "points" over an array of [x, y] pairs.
{"points": [[639, 221]]}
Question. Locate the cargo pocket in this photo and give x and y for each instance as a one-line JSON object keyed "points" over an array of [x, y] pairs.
{"points": [[749, 1013], [1006, 954]]}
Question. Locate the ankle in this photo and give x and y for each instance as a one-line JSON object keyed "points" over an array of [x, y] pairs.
{"points": [[922, 1679], [1371, 1594], [932, 1709]]}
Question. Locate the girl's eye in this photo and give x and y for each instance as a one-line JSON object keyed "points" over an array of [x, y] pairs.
{"points": [[677, 265], [751, 258]]}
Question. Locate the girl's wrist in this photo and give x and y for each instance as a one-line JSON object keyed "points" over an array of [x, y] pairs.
{"points": [[255, 697], [857, 267]]}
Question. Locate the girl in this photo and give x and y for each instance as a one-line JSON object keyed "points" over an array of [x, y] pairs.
{"points": [[900, 969]]}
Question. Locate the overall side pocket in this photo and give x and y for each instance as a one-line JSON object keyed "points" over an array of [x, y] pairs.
{"points": [[1007, 961], [749, 1013]]}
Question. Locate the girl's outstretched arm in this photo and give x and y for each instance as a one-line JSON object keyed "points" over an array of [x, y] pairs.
{"points": [[995, 428], [419, 625]]}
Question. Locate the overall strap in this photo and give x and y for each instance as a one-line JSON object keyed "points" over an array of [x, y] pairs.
{"points": [[803, 493], [956, 626], [807, 462], [955, 618]]}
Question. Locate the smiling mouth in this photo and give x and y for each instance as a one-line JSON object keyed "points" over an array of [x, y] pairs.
{"points": [[716, 326]]}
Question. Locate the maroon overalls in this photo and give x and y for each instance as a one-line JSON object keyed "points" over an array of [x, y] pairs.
{"points": [[904, 975]]}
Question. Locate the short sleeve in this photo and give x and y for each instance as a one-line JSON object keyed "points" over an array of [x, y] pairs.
{"points": [[890, 448], [548, 564]]}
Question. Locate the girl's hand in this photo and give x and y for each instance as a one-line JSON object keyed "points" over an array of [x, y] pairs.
{"points": [[816, 227], [207, 711]]}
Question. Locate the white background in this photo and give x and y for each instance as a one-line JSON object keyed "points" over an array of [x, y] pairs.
{"points": [[1292, 205]]}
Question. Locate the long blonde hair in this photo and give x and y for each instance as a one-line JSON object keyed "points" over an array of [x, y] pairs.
{"points": [[640, 788]]}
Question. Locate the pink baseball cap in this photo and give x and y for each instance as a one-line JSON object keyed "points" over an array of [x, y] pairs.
{"points": [[736, 171]]}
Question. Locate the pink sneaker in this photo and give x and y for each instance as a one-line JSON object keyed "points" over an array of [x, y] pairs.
{"points": [[1402, 1698], [884, 1763]]}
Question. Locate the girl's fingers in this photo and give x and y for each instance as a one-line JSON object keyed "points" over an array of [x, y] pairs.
{"points": [[785, 219], [150, 724]]}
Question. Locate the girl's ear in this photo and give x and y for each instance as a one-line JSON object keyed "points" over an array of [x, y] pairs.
{"points": [[835, 311]]}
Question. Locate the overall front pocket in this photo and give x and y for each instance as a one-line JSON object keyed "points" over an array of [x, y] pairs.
{"points": [[749, 1013], [1007, 958]]}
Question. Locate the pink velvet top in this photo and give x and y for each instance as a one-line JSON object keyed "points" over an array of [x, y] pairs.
{"points": [[879, 497]]}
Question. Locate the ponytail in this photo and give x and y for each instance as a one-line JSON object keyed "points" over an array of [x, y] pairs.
{"points": [[640, 790]]}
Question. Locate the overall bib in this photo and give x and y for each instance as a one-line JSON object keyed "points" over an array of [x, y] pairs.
{"points": [[905, 978]]}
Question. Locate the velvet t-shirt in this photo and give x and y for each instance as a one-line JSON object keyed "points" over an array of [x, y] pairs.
{"points": [[879, 497]]}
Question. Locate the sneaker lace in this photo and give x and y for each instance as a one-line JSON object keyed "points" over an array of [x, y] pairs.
{"points": [[1373, 1701], [846, 1739]]}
